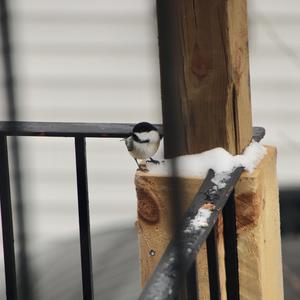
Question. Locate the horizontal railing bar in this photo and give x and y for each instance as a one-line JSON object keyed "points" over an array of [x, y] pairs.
{"points": [[68, 129], [258, 133], [163, 284]]}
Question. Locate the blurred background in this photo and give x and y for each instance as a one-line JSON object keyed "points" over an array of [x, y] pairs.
{"points": [[98, 62]]}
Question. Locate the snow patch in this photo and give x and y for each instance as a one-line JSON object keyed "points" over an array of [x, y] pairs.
{"points": [[201, 218], [218, 159], [197, 165]]}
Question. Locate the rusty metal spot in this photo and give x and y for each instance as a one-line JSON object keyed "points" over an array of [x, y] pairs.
{"points": [[148, 209], [208, 205]]}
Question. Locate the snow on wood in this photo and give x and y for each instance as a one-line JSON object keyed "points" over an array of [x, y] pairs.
{"points": [[218, 159]]}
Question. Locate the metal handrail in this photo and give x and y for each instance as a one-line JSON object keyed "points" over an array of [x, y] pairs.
{"points": [[69, 129]]}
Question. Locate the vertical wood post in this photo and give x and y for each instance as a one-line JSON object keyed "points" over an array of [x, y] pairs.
{"points": [[204, 66]]}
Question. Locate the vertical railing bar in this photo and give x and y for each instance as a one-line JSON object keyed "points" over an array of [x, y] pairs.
{"points": [[84, 219], [191, 283], [175, 196], [25, 282], [7, 223], [213, 266], [231, 251]]}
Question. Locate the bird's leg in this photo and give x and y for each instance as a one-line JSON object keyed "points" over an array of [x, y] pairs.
{"points": [[140, 167], [136, 162], [157, 162]]}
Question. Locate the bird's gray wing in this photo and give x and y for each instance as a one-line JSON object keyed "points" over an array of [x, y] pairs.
{"points": [[129, 143]]}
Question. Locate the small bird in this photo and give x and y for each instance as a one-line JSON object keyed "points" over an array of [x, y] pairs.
{"points": [[143, 143]]}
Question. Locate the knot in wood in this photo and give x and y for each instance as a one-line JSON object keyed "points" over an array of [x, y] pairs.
{"points": [[199, 65], [148, 209], [247, 210]]}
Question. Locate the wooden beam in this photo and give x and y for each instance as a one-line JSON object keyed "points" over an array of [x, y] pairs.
{"points": [[258, 229], [204, 64], [259, 250], [154, 223]]}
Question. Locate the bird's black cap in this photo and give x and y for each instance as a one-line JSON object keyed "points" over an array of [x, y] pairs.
{"points": [[143, 127]]}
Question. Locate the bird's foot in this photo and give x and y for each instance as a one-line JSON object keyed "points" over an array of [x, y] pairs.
{"points": [[156, 162], [142, 168]]}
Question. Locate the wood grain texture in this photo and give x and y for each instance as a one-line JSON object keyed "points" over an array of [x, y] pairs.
{"points": [[154, 236], [259, 243], [204, 65], [258, 228]]}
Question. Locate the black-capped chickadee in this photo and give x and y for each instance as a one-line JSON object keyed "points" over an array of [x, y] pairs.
{"points": [[143, 143]]}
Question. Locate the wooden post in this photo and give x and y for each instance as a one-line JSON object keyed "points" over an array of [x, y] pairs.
{"points": [[259, 250], [203, 48], [259, 243]]}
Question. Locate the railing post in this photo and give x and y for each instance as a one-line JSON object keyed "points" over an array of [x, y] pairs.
{"points": [[231, 251], [7, 223], [84, 219], [25, 272]]}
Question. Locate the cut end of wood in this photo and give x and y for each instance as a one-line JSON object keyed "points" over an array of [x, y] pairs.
{"points": [[147, 206]]}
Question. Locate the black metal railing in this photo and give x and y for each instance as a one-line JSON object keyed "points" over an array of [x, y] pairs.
{"points": [[79, 131], [9, 87], [164, 282]]}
